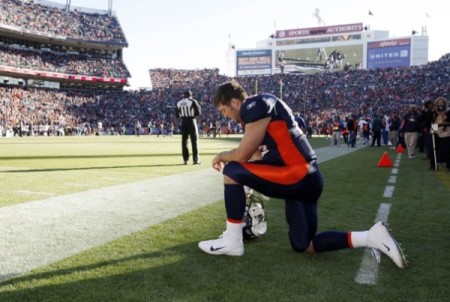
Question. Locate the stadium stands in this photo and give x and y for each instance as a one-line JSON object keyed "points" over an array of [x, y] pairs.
{"points": [[42, 42], [361, 92], [46, 52], [53, 20]]}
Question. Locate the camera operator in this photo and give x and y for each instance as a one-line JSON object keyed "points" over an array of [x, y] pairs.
{"points": [[441, 134]]}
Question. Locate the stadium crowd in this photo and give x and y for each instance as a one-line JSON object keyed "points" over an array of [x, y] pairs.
{"points": [[74, 64], [54, 21], [319, 97]]}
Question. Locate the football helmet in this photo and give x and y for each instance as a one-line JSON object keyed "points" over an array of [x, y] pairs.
{"points": [[254, 222]]}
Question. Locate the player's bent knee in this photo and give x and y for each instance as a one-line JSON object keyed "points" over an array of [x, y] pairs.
{"points": [[228, 181], [299, 247], [302, 247]]}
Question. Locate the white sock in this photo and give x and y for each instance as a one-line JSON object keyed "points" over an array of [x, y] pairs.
{"points": [[359, 239], [234, 230]]}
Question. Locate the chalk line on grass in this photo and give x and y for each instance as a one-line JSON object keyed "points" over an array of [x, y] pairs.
{"points": [[368, 271]]}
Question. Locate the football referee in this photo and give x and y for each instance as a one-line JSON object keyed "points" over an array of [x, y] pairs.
{"points": [[188, 109]]}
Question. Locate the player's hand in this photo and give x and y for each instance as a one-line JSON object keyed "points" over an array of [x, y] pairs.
{"points": [[217, 164]]}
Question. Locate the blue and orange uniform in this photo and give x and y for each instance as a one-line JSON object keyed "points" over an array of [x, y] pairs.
{"points": [[288, 170]]}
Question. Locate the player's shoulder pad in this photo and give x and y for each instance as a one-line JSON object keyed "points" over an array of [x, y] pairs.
{"points": [[257, 107]]}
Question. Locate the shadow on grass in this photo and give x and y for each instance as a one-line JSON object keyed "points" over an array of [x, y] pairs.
{"points": [[180, 273], [162, 268], [77, 269]]}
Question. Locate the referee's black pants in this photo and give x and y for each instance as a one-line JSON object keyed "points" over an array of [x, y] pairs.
{"points": [[189, 131]]}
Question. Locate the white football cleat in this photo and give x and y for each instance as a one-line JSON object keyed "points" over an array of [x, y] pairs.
{"points": [[376, 255], [380, 238], [225, 245]]}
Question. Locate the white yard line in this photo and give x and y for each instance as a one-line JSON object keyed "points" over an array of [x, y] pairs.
{"points": [[388, 191], [38, 233], [368, 270], [392, 179]]}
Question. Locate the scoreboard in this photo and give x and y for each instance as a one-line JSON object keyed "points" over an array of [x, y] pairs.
{"points": [[329, 48]]}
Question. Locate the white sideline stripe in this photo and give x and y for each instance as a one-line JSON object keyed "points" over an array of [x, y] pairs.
{"points": [[388, 191], [383, 212], [368, 271], [392, 179], [395, 171], [38, 233]]}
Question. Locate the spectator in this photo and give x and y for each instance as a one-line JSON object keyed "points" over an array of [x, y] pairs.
{"points": [[376, 130], [352, 127], [394, 126], [441, 126], [411, 128]]}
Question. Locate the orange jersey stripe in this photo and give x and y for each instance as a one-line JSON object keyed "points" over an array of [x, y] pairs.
{"points": [[295, 167], [284, 175], [285, 145]]}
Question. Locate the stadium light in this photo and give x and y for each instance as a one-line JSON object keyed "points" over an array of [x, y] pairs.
{"points": [[110, 5]]}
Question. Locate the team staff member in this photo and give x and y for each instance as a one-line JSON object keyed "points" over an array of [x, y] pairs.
{"points": [[188, 109], [286, 169]]}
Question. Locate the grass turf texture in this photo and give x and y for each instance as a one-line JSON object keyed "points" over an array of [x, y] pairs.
{"points": [[163, 263]]}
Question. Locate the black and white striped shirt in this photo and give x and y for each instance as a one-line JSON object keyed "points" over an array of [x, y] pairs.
{"points": [[188, 108]]}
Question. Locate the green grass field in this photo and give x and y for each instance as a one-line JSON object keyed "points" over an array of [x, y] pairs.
{"points": [[163, 262]]}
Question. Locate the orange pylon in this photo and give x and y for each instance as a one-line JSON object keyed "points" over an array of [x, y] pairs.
{"points": [[399, 149], [385, 161]]}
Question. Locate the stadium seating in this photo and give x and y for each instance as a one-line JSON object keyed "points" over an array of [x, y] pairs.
{"points": [[89, 59]]}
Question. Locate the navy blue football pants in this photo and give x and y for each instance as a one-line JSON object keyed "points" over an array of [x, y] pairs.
{"points": [[300, 205], [301, 200]]}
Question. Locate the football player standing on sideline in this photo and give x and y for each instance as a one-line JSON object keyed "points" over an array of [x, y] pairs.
{"points": [[287, 169], [188, 109]]}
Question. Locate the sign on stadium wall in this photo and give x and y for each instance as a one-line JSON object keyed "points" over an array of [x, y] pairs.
{"points": [[322, 30], [254, 62], [389, 53]]}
